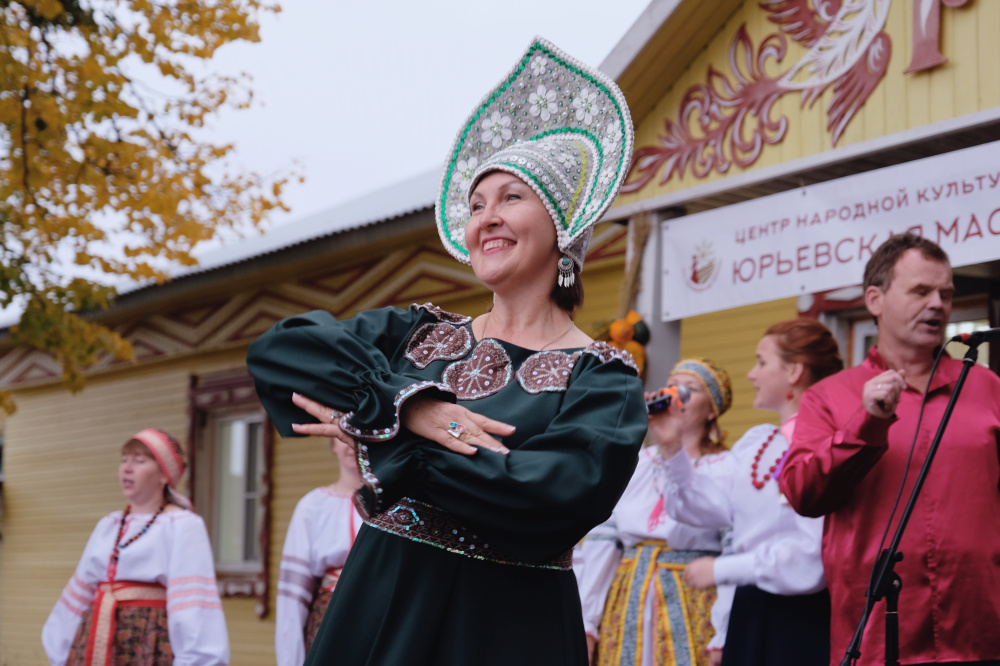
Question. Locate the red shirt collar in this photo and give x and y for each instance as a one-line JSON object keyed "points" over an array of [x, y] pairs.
{"points": [[946, 375]]}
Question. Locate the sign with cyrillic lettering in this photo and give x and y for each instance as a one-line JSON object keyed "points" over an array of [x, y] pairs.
{"points": [[820, 237]]}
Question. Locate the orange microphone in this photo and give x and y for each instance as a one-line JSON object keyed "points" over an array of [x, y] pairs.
{"points": [[666, 396]]}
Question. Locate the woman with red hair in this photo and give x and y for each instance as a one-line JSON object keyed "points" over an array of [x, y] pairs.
{"points": [[144, 591]]}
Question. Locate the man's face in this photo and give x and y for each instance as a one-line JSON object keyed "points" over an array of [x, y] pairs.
{"points": [[913, 312]]}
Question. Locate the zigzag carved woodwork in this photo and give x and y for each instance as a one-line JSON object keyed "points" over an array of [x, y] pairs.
{"points": [[399, 277], [610, 241]]}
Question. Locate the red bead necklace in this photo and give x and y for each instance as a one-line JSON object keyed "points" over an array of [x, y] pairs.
{"points": [[113, 563], [759, 484]]}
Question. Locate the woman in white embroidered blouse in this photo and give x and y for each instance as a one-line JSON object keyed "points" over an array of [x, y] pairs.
{"points": [[624, 613], [144, 590], [320, 536], [781, 610]]}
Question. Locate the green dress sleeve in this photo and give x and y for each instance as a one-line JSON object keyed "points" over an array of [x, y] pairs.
{"points": [[345, 365], [561, 478]]}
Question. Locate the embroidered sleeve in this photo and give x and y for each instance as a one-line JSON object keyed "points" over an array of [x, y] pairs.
{"points": [[607, 353], [443, 315], [296, 587], [76, 599], [377, 434], [194, 613], [698, 499], [346, 366], [601, 553]]}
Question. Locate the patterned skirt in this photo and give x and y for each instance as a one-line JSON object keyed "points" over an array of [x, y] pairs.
{"points": [[679, 622], [141, 638], [316, 613], [319, 604]]}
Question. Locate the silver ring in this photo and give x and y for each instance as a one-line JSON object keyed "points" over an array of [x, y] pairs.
{"points": [[334, 415], [456, 429], [878, 387]]}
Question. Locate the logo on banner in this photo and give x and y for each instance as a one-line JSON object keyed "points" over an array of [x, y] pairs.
{"points": [[703, 269]]}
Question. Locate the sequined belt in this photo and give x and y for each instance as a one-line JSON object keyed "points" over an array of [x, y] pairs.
{"points": [[103, 624], [424, 523]]}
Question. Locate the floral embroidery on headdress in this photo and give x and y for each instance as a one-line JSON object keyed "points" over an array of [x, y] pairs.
{"points": [[562, 127]]}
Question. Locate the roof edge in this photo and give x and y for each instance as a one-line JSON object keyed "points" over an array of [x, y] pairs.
{"points": [[638, 37]]}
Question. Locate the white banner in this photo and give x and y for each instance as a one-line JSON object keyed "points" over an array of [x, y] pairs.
{"points": [[820, 237]]}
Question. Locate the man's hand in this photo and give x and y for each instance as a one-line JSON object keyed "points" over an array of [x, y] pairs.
{"points": [[881, 393]]}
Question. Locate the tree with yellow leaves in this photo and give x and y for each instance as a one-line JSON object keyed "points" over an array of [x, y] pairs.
{"points": [[101, 173]]}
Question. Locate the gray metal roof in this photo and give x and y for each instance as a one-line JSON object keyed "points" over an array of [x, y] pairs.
{"points": [[402, 198]]}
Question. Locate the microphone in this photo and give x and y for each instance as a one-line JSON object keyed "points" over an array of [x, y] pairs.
{"points": [[978, 338], [664, 398]]}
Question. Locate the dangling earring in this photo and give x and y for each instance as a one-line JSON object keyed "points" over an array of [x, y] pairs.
{"points": [[789, 395], [713, 430], [566, 277]]}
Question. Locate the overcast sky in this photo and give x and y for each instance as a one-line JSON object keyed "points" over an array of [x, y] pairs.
{"points": [[365, 94], [358, 95]]}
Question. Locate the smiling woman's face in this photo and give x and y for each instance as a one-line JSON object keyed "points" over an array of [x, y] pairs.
{"points": [[510, 235]]}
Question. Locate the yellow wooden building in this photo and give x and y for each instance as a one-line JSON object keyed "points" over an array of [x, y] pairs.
{"points": [[746, 113], [60, 456], [773, 136]]}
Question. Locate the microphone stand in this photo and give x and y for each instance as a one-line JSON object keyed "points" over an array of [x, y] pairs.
{"points": [[885, 581]]}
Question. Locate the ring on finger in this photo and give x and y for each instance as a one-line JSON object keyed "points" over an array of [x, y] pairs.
{"points": [[455, 429], [878, 387], [334, 415]]}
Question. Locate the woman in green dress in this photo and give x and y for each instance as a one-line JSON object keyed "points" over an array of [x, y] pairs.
{"points": [[490, 445]]}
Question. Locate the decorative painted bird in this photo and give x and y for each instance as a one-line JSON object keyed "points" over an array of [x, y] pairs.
{"points": [[848, 49], [728, 119]]}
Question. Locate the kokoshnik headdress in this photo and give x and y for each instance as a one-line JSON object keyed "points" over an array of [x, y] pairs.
{"points": [[560, 126]]}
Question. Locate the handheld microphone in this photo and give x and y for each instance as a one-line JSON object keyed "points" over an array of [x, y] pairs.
{"points": [[664, 398], [978, 338]]}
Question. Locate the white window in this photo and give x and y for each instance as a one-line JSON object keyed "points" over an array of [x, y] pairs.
{"points": [[864, 335], [968, 319], [238, 488], [965, 318], [230, 478]]}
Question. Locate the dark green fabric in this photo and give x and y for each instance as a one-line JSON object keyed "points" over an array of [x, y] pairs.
{"points": [[400, 602]]}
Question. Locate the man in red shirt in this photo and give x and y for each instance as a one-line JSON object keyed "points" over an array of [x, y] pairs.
{"points": [[849, 456]]}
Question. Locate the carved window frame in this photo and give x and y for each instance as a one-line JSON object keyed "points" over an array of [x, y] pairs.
{"points": [[211, 395]]}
